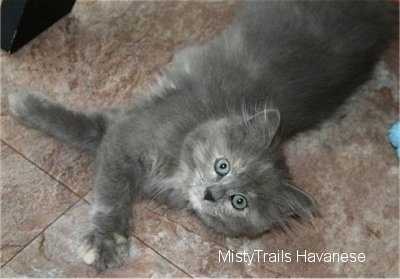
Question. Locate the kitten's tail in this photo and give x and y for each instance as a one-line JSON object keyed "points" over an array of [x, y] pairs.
{"points": [[82, 130]]}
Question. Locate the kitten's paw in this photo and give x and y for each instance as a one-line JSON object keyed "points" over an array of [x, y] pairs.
{"points": [[104, 250], [23, 105]]}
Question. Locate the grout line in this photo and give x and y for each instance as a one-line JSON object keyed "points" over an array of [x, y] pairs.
{"points": [[79, 198], [184, 227], [44, 229], [161, 255], [151, 248], [43, 170]]}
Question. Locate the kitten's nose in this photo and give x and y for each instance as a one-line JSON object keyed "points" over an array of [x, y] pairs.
{"points": [[209, 196]]}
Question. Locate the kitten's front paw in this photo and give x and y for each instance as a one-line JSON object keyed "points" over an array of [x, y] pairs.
{"points": [[24, 105], [104, 250]]}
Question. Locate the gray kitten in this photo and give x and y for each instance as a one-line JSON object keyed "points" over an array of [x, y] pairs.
{"points": [[208, 137]]}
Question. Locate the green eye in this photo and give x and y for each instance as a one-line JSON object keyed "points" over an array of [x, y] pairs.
{"points": [[238, 202], [222, 166]]}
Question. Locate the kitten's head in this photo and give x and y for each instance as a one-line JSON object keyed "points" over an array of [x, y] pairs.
{"points": [[238, 181]]}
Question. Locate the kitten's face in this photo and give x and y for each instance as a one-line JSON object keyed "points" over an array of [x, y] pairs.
{"points": [[239, 184]]}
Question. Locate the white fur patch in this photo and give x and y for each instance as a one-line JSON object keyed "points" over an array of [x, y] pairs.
{"points": [[91, 256], [165, 82], [119, 239], [195, 201], [16, 102]]}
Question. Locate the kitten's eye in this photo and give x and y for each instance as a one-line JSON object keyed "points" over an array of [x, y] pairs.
{"points": [[238, 202], [222, 166]]}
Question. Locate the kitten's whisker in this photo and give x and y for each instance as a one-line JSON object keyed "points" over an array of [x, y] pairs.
{"points": [[159, 193]]}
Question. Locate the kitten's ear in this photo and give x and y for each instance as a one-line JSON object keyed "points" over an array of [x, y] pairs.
{"points": [[268, 120], [295, 202]]}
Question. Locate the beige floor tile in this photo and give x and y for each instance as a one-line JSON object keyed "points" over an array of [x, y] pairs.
{"points": [[30, 201], [55, 254]]}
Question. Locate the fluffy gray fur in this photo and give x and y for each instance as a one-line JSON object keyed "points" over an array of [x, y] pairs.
{"points": [[280, 68]]}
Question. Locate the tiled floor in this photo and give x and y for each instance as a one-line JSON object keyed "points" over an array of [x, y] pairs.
{"points": [[106, 52]]}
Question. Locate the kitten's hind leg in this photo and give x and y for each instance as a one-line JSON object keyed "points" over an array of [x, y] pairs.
{"points": [[83, 130]]}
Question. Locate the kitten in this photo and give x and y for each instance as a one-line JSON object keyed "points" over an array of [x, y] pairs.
{"points": [[208, 138]]}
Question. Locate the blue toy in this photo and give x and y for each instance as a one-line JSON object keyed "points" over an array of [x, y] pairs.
{"points": [[394, 137]]}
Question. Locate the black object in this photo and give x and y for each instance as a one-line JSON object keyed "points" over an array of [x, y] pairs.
{"points": [[22, 20]]}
